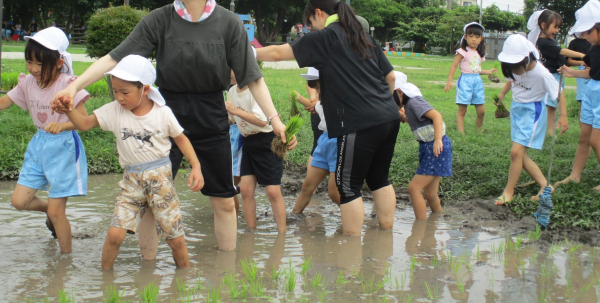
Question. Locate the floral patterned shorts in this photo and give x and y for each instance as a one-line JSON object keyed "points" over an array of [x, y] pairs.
{"points": [[152, 189]]}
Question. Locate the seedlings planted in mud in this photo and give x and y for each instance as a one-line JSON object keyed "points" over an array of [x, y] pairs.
{"points": [[534, 235], [459, 284], [341, 279], [149, 294], [478, 255], [199, 285], [306, 265], [534, 257], [112, 295], [413, 263], [64, 297], [554, 248], [432, 292], [522, 268], [214, 295], [257, 289], [434, 261], [492, 281], [290, 283], [250, 270], [317, 281], [547, 271], [571, 247], [276, 274]]}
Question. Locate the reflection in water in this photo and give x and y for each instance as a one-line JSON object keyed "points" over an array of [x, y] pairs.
{"points": [[451, 263]]}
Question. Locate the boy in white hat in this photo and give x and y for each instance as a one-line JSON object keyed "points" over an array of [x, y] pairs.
{"points": [[588, 27], [143, 125], [531, 84]]}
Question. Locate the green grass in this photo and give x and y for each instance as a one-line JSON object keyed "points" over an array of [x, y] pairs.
{"points": [[20, 47]]}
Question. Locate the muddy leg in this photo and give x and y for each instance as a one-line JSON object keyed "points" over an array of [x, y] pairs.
{"points": [[534, 171], [277, 205], [353, 217], [23, 198], [385, 206], [332, 189], [57, 213], [516, 167], [431, 194], [147, 237], [248, 186], [415, 187], [110, 251], [225, 222], [180, 252], [314, 176]]}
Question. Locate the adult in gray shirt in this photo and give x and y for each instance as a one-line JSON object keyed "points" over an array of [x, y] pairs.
{"points": [[194, 59]]}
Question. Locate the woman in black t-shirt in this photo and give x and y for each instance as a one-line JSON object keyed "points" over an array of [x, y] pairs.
{"points": [[356, 82]]}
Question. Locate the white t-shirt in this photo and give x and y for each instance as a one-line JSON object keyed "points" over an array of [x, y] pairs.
{"points": [[319, 109], [140, 139], [245, 101], [532, 86]]}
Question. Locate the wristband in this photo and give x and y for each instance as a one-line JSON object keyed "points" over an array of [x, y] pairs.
{"points": [[269, 119]]}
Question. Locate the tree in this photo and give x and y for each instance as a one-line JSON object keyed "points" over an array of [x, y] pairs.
{"points": [[452, 24], [421, 26], [496, 20], [381, 14], [566, 8]]}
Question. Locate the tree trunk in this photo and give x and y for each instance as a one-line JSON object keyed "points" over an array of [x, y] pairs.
{"points": [[386, 34], [259, 23], [278, 23]]}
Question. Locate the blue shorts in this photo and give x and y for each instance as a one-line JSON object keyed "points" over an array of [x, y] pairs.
{"points": [[552, 102], [528, 124], [581, 86], [430, 165], [236, 148], [325, 154], [469, 90], [590, 105], [55, 161]]}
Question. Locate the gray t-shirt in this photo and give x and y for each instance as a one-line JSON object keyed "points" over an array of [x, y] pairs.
{"points": [[193, 57], [421, 126]]}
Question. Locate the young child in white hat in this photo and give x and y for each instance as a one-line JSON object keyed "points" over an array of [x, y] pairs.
{"points": [[143, 125], [587, 27], [532, 84], [50, 71]]}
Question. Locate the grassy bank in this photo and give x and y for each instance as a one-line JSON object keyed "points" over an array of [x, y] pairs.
{"points": [[480, 161], [20, 47]]}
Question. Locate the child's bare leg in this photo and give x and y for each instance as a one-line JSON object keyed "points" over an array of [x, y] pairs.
{"points": [[431, 194], [112, 243], [236, 200], [225, 222], [247, 187], [180, 252], [277, 205], [314, 176], [551, 119], [23, 198], [308, 166], [384, 200], [595, 143], [516, 167], [416, 185], [536, 173], [332, 189], [581, 155], [460, 118], [480, 115], [353, 217], [57, 208], [147, 237]]}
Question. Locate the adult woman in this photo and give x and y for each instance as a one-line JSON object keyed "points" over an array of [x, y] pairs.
{"points": [[197, 44], [356, 83]]}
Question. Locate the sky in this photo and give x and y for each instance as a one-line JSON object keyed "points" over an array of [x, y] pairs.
{"points": [[515, 6]]}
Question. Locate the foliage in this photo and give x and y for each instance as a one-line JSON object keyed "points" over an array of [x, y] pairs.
{"points": [[452, 24], [565, 8], [495, 19], [108, 27]]}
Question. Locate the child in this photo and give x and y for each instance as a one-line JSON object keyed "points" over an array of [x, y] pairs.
{"points": [[582, 46], [469, 89], [324, 156], [55, 156], [236, 140], [142, 125], [544, 26], [588, 27], [435, 148], [258, 163], [530, 83]]}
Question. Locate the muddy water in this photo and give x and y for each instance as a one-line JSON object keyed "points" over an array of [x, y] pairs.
{"points": [[441, 259]]}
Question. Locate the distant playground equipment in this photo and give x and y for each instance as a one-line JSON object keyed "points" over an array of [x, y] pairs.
{"points": [[250, 29]]}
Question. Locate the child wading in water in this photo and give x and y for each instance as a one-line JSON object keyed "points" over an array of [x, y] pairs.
{"points": [[588, 27], [469, 89], [143, 125], [531, 83], [55, 156], [544, 26], [324, 156], [435, 148]]}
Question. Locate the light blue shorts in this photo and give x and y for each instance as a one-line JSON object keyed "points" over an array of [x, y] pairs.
{"points": [[552, 102], [581, 86], [236, 148], [55, 161], [325, 155], [528, 124], [469, 90], [590, 105]]}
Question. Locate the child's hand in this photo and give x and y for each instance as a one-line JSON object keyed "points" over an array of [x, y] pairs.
{"points": [[64, 99], [403, 118], [196, 175], [310, 109], [231, 109], [563, 124], [500, 98], [448, 86], [567, 70], [493, 70], [53, 128], [58, 106], [438, 147], [292, 144]]}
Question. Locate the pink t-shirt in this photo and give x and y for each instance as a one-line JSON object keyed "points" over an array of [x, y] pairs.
{"points": [[29, 96], [471, 62]]}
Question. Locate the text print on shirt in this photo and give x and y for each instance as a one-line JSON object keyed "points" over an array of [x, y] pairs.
{"points": [[140, 134], [520, 85], [193, 53]]}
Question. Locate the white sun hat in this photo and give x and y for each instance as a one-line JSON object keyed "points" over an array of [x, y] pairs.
{"points": [[587, 16], [135, 68], [473, 23], [516, 48], [407, 88], [533, 26], [53, 38], [311, 74]]}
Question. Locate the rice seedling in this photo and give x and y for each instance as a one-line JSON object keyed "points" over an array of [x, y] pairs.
{"points": [[183, 288], [501, 111], [64, 297], [413, 262], [571, 248], [250, 270], [307, 265], [534, 257], [478, 254], [279, 148], [317, 281], [554, 248], [534, 235], [149, 294], [112, 295], [592, 254], [492, 281], [294, 111], [382, 283], [276, 274], [235, 289], [432, 292], [257, 289], [409, 298], [434, 261], [459, 284], [341, 279], [547, 271], [456, 267], [544, 295], [290, 283], [522, 268], [214, 295], [367, 287]]}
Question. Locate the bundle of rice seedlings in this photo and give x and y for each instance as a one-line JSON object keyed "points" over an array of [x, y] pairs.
{"points": [[501, 111], [279, 148], [494, 76], [294, 111]]}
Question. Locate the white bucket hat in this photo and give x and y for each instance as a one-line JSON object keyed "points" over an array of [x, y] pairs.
{"points": [[53, 38], [465, 29], [533, 26], [135, 68], [587, 16], [311, 74], [516, 48], [407, 88]]}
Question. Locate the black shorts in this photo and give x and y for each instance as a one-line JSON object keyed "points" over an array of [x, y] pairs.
{"points": [[204, 120], [260, 161], [314, 123], [365, 155]]}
